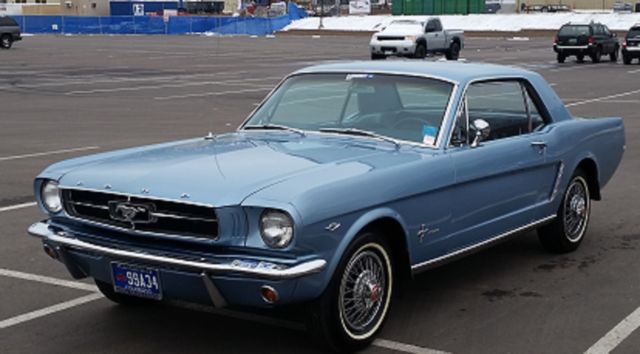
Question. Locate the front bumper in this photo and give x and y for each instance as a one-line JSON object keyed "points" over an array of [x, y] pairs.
{"points": [[238, 282], [400, 48]]}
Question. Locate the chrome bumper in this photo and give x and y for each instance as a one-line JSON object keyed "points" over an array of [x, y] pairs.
{"points": [[272, 271]]}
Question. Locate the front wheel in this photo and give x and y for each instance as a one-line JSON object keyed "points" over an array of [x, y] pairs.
{"points": [[375, 56], [454, 52], [595, 56], [614, 55], [6, 41], [421, 51], [354, 306], [566, 232], [626, 59]]}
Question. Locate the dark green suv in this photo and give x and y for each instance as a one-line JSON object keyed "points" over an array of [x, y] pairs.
{"points": [[593, 39], [9, 32]]}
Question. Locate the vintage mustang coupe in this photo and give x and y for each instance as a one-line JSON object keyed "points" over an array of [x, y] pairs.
{"points": [[346, 179]]}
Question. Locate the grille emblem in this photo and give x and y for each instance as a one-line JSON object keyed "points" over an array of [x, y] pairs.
{"points": [[134, 213]]}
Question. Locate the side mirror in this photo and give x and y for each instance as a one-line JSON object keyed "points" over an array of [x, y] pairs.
{"points": [[482, 129]]}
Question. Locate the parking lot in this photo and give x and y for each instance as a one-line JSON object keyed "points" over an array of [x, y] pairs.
{"points": [[62, 97]]}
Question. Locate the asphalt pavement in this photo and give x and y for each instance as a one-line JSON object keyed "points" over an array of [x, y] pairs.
{"points": [[62, 97]]}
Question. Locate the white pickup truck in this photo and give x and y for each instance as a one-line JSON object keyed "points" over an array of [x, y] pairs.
{"points": [[412, 38]]}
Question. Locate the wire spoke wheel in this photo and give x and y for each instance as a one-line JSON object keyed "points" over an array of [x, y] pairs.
{"points": [[576, 209]]}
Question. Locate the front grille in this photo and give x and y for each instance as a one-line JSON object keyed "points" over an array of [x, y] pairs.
{"points": [[150, 215], [390, 38]]}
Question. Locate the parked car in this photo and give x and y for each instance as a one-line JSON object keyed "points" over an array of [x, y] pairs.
{"points": [[394, 168], [492, 7], [622, 7], [410, 38], [631, 45], [547, 8], [9, 32], [593, 39]]}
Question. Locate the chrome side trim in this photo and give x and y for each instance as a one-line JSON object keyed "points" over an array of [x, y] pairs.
{"points": [[416, 268], [281, 272], [556, 185], [178, 201]]}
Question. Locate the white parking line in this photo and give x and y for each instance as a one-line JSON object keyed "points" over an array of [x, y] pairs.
{"points": [[604, 98], [618, 334], [18, 206], [63, 151], [47, 280], [49, 310], [634, 71], [405, 348], [208, 94], [230, 82]]}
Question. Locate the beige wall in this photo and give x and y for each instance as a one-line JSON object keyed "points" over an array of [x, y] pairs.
{"points": [[49, 9], [577, 4], [84, 8]]}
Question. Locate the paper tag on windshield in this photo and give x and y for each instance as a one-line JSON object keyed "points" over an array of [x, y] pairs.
{"points": [[358, 76], [429, 135]]}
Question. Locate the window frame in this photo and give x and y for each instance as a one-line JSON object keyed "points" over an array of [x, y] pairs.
{"points": [[527, 89]]}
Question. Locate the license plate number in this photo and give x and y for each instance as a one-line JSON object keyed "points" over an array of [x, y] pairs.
{"points": [[136, 281], [573, 41]]}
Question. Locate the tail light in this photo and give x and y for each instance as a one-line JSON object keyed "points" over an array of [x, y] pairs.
{"points": [[624, 44], [590, 40], [556, 40]]}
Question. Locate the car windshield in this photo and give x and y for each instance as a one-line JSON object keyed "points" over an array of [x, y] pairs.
{"points": [[400, 107], [574, 31]]}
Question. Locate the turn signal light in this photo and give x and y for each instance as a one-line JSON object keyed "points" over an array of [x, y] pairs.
{"points": [[590, 40], [269, 294]]}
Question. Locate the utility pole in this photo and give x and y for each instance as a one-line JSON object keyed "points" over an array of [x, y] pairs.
{"points": [[321, 25]]}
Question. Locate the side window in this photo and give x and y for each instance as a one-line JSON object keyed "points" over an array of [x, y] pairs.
{"points": [[437, 25], [506, 106], [606, 31], [430, 26]]}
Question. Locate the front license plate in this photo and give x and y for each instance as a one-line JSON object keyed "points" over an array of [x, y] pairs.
{"points": [[136, 280]]}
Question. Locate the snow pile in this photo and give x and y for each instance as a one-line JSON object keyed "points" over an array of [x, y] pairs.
{"points": [[476, 22]]}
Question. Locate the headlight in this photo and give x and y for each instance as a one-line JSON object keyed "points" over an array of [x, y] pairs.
{"points": [[410, 38], [276, 228], [50, 195]]}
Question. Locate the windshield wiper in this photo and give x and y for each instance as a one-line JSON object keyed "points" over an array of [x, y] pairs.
{"points": [[359, 132], [274, 127]]}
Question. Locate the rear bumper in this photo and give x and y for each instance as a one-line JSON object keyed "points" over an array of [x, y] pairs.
{"points": [[220, 282], [573, 49], [631, 52]]}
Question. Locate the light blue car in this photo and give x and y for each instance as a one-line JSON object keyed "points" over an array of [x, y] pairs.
{"points": [[346, 180]]}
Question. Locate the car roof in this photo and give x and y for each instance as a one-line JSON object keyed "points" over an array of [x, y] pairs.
{"points": [[453, 71]]}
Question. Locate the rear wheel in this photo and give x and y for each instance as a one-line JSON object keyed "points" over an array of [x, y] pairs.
{"points": [[566, 232], [614, 55], [454, 51], [596, 55], [626, 59], [561, 57], [421, 51], [6, 41], [354, 306], [107, 290], [375, 56]]}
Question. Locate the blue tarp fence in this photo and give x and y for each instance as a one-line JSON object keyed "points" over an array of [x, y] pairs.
{"points": [[155, 25]]}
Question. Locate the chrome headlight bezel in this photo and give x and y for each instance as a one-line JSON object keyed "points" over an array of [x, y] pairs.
{"points": [[50, 196], [276, 228]]}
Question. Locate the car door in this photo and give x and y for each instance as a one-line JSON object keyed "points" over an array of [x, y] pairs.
{"points": [[502, 182], [434, 34], [609, 39]]}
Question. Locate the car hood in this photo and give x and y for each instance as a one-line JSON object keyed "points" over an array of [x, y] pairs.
{"points": [[222, 171], [401, 30]]}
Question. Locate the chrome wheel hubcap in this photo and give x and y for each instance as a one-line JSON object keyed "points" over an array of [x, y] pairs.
{"points": [[576, 211], [362, 291]]}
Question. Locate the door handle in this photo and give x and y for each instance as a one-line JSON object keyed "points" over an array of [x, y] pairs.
{"points": [[541, 145]]}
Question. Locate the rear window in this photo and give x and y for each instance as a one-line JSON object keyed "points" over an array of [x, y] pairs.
{"points": [[634, 32], [7, 21], [574, 31]]}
